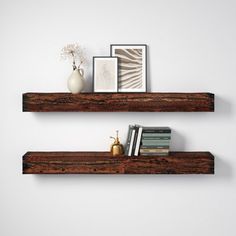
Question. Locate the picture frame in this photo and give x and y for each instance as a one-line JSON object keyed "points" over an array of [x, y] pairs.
{"points": [[132, 66], [105, 74]]}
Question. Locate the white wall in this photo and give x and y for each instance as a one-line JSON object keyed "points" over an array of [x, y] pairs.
{"points": [[192, 47]]}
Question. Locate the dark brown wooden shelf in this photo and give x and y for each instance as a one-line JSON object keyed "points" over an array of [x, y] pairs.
{"points": [[118, 102], [104, 163]]}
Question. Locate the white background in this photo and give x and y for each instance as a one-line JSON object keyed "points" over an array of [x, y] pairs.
{"points": [[192, 48]]}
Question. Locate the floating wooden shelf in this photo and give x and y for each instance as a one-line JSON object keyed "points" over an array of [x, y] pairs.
{"points": [[104, 163], [118, 102]]}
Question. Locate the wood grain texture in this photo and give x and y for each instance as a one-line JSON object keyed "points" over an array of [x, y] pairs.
{"points": [[104, 163], [118, 102]]}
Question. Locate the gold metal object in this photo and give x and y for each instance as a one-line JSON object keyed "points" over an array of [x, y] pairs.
{"points": [[116, 148]]}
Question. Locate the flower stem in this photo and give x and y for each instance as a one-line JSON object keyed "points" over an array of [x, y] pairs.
{"points": [[74, 65]]}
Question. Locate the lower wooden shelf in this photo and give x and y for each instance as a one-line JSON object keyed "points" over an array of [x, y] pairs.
{"points": [[104, 163]]}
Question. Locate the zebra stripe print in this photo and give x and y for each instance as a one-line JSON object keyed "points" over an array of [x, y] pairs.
{"points": [[130, 68]]}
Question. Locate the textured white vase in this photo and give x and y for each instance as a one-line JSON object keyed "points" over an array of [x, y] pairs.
{"points": [[76, 81]]}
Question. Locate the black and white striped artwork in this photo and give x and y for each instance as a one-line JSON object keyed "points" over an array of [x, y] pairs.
{"points": [[131, 67]]}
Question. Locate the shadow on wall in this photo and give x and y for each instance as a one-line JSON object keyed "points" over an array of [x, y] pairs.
{"points": [[223, 170], [177, 141], [126, 180], [222, 107], [89, 83]]}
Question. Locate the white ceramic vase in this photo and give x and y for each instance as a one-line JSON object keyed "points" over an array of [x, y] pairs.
{"points": [[76, 81]]}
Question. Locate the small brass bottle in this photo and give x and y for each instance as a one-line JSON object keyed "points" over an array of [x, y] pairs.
{"points": [[116, 148]]}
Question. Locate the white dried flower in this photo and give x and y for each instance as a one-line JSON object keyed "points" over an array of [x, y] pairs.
{"points": [[74, 52]]}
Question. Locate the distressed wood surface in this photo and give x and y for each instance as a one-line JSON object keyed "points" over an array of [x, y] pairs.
{"points": [[104, 163], [118, 102]]}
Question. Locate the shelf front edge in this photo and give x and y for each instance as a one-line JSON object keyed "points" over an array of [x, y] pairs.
{"points": [[118, 102], [103, 163]]}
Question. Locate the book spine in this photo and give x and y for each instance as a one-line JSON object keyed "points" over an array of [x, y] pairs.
{"points": [[138, 141], [156, 131], [156, 134], [152, 143], [156, 128], [128, 140], [155, 138], [154, 154], [155, 147], [131, 142], [135, 140], [154, 150]]}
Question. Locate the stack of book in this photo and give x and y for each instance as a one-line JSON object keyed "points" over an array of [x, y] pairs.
{"points": [[148, 141], [155, 141]]}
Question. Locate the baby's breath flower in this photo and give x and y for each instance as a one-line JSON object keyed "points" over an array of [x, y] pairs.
{"points": [[74, 52]]}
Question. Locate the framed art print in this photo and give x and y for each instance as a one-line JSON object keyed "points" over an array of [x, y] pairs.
{"points": [[132, 67], [105, 74]]}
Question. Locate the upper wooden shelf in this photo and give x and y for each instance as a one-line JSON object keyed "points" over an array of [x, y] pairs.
{"points": [[104, 163], [118, 102]]}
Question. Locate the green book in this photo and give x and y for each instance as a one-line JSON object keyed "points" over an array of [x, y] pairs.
{"points": [[155, 138], [156, 129], [156, 134], [155, 142]]}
